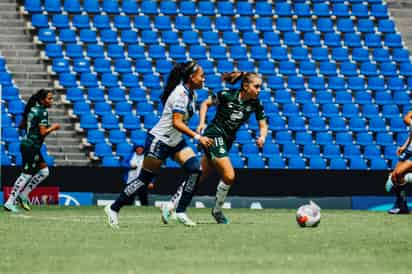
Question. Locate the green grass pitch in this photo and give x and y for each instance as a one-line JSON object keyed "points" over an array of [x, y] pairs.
{"points": [[78, 240]]}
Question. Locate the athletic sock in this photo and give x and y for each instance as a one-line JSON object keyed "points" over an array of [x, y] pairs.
{"points": [[176, 197], [18, 186], [128, 195], [35, 181], [400, 193], [188, 191], [221, 193]]}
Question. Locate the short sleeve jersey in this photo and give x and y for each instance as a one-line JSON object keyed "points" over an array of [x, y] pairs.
{"points": [[231, 113], [38, 116], [181, 100]]}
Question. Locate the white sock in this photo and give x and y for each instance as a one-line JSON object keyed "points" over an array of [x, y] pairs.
{"points": [[35, 181], [17, 187], [408, 178], [176, 197], [221, 193]]}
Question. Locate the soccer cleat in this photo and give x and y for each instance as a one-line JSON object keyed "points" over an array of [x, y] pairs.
{"points": [[399, 210], [23, 203], [165, 214], [220, 217], [184, 219], [389, 184], [10, 207], [112, 216]]}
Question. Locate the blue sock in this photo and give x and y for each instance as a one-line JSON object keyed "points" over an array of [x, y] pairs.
{"points": [[192, 166]]}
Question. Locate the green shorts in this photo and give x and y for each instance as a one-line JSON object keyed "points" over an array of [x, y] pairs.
{"points": [[31, 158], [219, 149]]}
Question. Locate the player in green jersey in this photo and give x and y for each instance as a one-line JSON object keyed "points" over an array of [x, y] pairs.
{"points": [[234, 108], [36, 124]]}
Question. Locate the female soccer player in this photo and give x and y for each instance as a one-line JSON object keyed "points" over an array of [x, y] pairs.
{"points": [[166, 140], [234, 108], [399, 177], [35, 122]]}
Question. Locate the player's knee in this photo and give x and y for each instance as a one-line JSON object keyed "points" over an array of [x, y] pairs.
{"points": [[192, 165], [44, 172], [397, 177], [229, 178]]}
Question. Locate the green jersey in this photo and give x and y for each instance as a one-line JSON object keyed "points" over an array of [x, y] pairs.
{"points": [[36, 117], [232, 113]]}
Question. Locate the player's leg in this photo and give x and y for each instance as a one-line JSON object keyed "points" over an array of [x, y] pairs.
{"points": [[155, 154], [190, 163], [29, 168], [224, 167], [40, 176], [397, 176]]}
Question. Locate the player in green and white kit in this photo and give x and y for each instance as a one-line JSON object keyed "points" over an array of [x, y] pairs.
{"points": [[234, 108], [35, 122]]}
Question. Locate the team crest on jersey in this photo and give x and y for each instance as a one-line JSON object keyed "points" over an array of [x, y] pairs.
{"points": [[222, 150], [230, 105], [237, 115]]}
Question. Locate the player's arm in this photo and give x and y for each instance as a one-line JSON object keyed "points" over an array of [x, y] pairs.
{"points": [[45, 130], [263, 125], [202, 113], [408, 119], [263, 132], [180, 125]]}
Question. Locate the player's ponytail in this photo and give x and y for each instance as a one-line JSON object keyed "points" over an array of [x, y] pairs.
{"points": [[35, 98], [236, 76], [179, 73]]}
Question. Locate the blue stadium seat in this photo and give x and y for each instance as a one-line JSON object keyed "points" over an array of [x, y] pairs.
{"points": [[304, 25], [321, 10], [360, 10], [95, 136], [190, 37], [264, 24], [366, 26], [360, 55], [40, 20], [263, 9], [298, 54], [243, 24], [348, 69], [183, 23], [379, 11], [47, 36], [324, 97], [88, 121], [148, 7], [345, 25], [325, 25], [168, 8], [54, 51], [276, 162], [296, 162], [203, 23], [340, 54], [317, 163], [130, 7], [296, 123], [91, 6], [400, 55], [305, 97], [95, 95], [357, 163], [316, 124], [297, 82], [102, 150], [102, 108], [101, 22], [117, 136], [316, 83], [376, 84], [337, 124], [86, 36], [110, 7], [393, 40], [307, 68], [271, 38], [110, 161], [330, 110], [52, 6], [302, 10], [311, 150], [292, 39], [74, 94], [337, 163], [33, 6], [323, 138], [110, 121], [332, 39], [60, 65], [188, 8]]}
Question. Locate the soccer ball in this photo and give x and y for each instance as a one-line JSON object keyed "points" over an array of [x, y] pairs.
{"points": [[308, 215]]}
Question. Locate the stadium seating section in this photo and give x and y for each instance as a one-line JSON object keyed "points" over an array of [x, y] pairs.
{"points": [[337, 76]]}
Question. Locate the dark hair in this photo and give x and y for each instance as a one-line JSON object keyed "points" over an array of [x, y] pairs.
{"points": [[35, 98], [234, 77], [179, 73]]}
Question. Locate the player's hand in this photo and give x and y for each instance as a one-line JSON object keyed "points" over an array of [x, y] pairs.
{"points": [[55, 126], [260, 141], [200, 128], [399, 151], [205, 141]]}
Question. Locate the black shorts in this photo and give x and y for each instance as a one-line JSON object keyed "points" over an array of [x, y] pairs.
{"points": [[31, 158], [157, 149], [219, 149]]}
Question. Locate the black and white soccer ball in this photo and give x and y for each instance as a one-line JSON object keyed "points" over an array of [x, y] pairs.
{"points": [[308, 215]]}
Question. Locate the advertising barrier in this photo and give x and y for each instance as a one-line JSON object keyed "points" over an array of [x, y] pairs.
{"points": [[43, 195], [76, 199], [374, 203]]}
